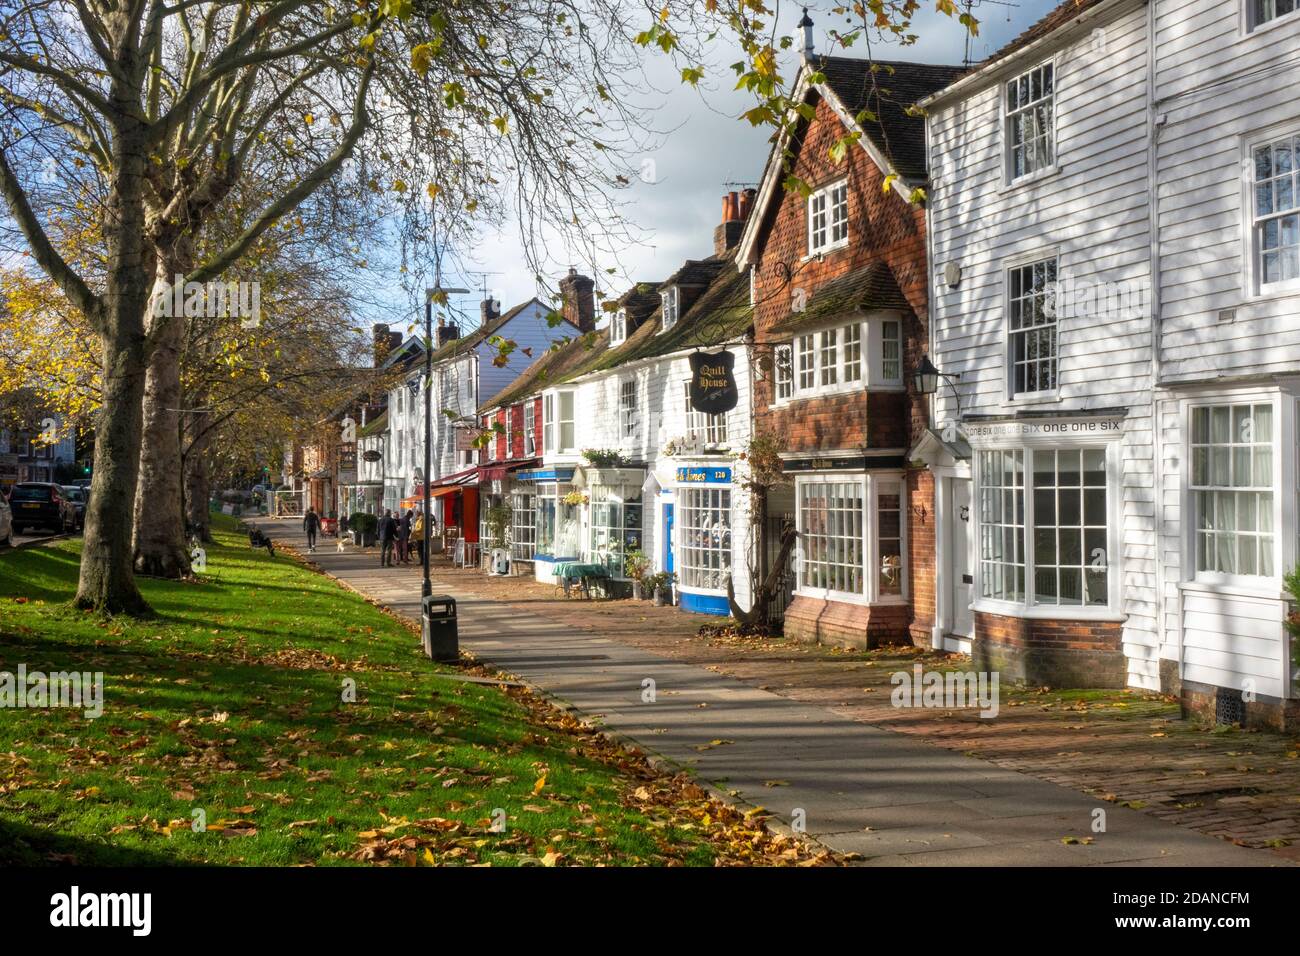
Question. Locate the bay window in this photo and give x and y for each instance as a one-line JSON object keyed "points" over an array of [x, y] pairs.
{"points": [[557, 423], [851, 537], [805, 347], [853, 352], [783, 362], [1232, 489], [829, 358], [704, 537], [1044, 526], [615, 526]]}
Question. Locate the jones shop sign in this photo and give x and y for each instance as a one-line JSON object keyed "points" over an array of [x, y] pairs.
{"points": [[713, 382]]}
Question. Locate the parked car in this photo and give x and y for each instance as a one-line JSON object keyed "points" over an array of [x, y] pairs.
{"points": [[36, 503], [74, 507], [6, 523]]}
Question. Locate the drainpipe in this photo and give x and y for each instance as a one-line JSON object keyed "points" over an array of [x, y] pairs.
{"points": [[936, 628]]}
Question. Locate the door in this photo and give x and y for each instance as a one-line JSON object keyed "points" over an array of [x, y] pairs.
{"points": [[960, 568], [669, 564]]}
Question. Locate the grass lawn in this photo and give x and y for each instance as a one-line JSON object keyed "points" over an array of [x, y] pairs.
{"points": [[231, 702]]}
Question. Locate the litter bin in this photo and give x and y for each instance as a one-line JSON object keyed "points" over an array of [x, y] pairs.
{"points": [[438, 628]]}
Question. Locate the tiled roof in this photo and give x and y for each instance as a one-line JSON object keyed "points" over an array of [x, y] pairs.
{"points": [[696, 272], [1058, 17], [869, 288], [721, 314], [466, 342], [887, 88]]}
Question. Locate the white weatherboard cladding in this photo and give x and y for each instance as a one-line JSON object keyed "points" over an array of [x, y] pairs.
{"points": [[1218, 88], [1092, 214], [662, 417]]}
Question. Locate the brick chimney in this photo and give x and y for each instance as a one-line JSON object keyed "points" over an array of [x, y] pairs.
{"points": [[489, 312], [578, 301], [444, 333], [384, 342], [735, 210]]}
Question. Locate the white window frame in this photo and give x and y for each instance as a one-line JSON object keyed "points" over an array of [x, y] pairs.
{"points": [[810, 350], [628, 418], [783, 373], [548, 423], [1011, 333], [1028, 607], [710, 430], [530, 429], [896, 343], [618, 328], [828, 218], [523, 524], [1252, 254], [1009, 113], [871, 485], [1252, 21], [616, 544], [670, 305], [693, 560], [1284, 477]]}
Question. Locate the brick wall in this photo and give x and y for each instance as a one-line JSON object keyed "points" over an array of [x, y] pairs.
{"points": [[882, 225], [846, 625], [1054, 653], [920, 554]]}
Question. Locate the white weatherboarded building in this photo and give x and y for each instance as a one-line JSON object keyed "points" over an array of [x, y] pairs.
{"points": [[1115, 257]]}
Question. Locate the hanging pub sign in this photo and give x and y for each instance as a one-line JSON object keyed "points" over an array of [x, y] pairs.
{"points": [[713, 382]]}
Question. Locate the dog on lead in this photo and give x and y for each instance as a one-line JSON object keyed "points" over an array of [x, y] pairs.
{"points": [[257, 541]]}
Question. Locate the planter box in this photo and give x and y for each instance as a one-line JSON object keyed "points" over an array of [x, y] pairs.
{"points": [[362, 539]]}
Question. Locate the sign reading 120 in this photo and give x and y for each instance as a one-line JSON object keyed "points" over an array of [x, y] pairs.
{"points": [[716, 475]]}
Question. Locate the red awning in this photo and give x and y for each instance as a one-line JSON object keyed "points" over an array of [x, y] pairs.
{"points": [[498, 470]]}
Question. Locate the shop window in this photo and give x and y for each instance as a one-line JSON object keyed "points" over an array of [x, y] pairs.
{"points": [[1002, 525], [615, 526], [704, 537], [831, 536], [557, 522], [523, 526], [889, 540]]}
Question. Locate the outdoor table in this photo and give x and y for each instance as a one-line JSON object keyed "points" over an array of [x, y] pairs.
{"points": [[569, 571]]}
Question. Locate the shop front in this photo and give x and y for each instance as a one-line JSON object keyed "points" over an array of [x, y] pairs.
{"points": [[613, 520], [1048, 606], [701, 512], [851, 581], [557, 518]]}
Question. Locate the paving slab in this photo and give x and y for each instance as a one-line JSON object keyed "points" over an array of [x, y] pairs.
{"points": [[892, 798]]}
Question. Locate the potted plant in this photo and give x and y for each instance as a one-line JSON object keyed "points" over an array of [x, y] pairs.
{"points": [[575, 498], [662, 584], [637, 565], [604, 457], [364, 526]]}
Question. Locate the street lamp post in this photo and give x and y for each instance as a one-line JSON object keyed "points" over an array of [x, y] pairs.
{"points": [[427, 588]]}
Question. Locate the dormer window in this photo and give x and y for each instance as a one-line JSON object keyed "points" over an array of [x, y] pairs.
{"points": [[671, 302], [828, 218], [618, 328]]}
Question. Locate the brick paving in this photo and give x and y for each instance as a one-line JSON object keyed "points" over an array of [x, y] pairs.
{"points": [[1125, 747]]}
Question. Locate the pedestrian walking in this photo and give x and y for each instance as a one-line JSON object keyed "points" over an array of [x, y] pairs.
{"points": [[387, 538], [404, 538], [311, 524], [417, 535]]}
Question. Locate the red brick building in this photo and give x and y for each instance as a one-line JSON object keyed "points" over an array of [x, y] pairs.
{"points": [[839, 290]]}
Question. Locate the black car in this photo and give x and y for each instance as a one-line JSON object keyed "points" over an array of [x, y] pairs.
{"points": [[74, 507], [37, 504]]}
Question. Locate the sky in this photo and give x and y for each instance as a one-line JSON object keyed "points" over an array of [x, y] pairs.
{"points": [[709, 151]]}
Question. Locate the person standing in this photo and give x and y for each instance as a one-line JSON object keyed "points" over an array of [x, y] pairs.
{"points": [[404, 538], [417, 535], [387, 538], [311, 524]]}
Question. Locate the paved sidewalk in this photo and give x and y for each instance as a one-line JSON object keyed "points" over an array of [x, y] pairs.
{"points": [[857, 788]]}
